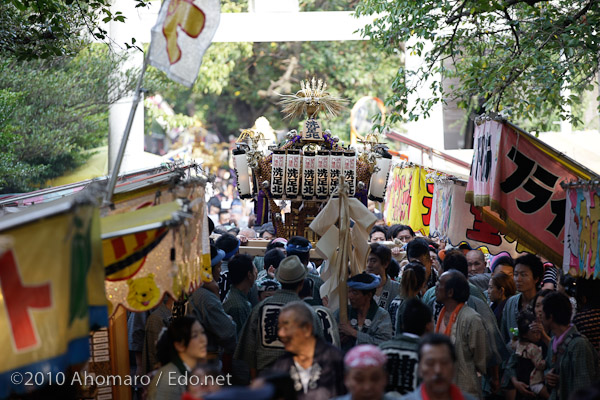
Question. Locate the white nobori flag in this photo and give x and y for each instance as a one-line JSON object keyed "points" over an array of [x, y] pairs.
{"points": [[183, 32]]}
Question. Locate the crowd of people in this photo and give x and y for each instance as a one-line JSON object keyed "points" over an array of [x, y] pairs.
{"points": [[424, 321]]}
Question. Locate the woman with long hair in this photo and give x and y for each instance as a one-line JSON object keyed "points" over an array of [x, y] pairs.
{"points": [[180, 348], [411, 286]]}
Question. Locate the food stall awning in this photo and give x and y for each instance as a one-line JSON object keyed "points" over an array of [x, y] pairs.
{"points": [[127, 238]]}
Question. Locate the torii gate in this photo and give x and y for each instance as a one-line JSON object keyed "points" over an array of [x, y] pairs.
{"points": [[268, 21]]}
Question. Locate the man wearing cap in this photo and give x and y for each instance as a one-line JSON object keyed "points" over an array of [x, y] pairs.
{"points": [[368, 323], [365, 375], [259, 346], [300, 246], [205, 305], [503, 263]]}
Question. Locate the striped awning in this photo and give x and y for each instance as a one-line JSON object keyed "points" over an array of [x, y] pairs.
{"points": [[127, 238]]}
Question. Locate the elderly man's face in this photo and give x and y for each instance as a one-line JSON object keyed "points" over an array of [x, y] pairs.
{"points": [[366, 382], [291, 334], [436, 368], [476, 262]]}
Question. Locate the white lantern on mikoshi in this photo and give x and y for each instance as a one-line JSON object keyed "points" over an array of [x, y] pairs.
{"points": [[322, 188], [379, 179], [349, 170], [278, 174], [292, 175], [309, 163], [240, 165], [335, 169]]}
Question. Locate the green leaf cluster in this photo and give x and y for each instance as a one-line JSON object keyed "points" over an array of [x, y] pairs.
{"points": [[51, 110], [516, 56], [43, 29]]}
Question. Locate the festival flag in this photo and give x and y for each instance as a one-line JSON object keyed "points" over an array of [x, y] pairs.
{"points": [[408, 198], [183, 32], [51, 290], [582, 232]]}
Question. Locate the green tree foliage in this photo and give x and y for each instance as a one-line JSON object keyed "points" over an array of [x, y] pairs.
{"points": [[514, 55], [50, 28], [51, 110]]}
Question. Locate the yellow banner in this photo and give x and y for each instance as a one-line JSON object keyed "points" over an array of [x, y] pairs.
{"points": [[52, 291], [408, 198]]}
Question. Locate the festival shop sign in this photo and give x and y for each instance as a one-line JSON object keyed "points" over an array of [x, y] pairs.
{"points": [[52, 291], [455, 220], [408, 198], [582, 229], [516, 180]]}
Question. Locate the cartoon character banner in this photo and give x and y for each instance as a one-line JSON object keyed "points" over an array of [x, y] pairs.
{"points": [[147, 269], [582, 230], [516, 180], [51, 294], [408, 198], [455, 220]]}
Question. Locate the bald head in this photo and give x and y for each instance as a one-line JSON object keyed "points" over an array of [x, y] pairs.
{"points": [[475, 262]]}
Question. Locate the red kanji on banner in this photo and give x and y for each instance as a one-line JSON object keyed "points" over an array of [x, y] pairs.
{"points": [[427, 203], [482, 231], [18, 299]]}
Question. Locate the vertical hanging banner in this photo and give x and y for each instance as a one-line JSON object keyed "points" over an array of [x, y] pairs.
{"points": [[278, 173], [349, 171], [456, 221], [308, 175], [292, 175], [582, 233], [516, 180], [183, 31], [322, 174], [408, 198], [335, 169], [51, 292]]}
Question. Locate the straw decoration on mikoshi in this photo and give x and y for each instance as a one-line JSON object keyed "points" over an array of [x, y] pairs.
{"points": [[311, 99]]}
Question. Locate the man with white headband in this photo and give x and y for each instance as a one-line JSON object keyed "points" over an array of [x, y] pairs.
{"points": [[365, 377]]}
